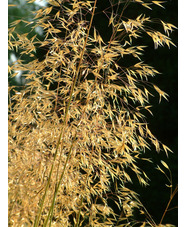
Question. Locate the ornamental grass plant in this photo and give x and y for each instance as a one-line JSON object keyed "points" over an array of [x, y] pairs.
{"points": [[77, 128]]}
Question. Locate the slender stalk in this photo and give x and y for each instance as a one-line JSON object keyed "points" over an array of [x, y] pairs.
{"points": [[168, 204], [153, 223], [36, 223], [65, 122], [78, 216], [55, 108], [59, 183]]}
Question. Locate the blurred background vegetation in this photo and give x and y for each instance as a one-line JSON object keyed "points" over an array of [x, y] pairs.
{"points": [[163, 123]]}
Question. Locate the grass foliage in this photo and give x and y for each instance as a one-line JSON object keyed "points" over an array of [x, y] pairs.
{"points": [[76, 129]]}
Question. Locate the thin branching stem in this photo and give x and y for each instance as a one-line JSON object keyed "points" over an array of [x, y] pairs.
{"points": [[66, 113], [58, 184], [79, 212], [168, 204]]}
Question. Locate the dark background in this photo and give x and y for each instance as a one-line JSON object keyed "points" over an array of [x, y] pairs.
{"points": [[164, 122]]}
